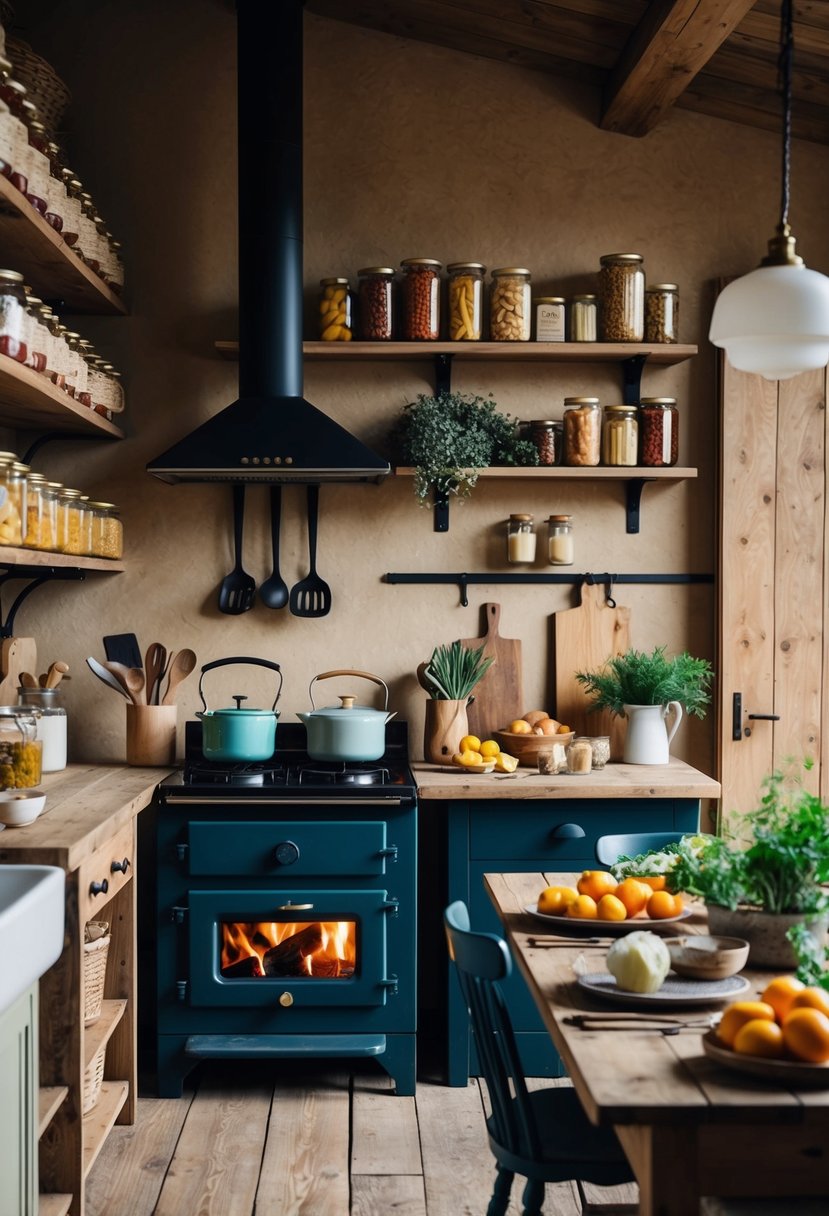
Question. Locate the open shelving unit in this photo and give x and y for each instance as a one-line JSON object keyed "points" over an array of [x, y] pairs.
{"points": [[28, 399]]}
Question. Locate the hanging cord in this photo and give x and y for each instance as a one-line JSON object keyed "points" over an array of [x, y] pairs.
{"points": [[784, 76]]}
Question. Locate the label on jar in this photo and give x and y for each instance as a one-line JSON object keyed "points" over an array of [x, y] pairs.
{"points": [[549, 322]]}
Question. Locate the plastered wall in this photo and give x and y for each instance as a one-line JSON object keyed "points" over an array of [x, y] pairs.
{"points": [[410, 150]]}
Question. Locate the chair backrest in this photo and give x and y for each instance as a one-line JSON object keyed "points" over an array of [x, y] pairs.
{"points": [[481, 960], [630, 844]]}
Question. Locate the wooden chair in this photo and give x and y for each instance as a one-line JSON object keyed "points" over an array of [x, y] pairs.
{"points": [[545, 1135], [608, 848]]}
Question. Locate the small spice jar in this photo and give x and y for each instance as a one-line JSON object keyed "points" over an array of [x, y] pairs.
{"points": [[420, 300], [600, 748], [543, 434], [549, 318], [335, 310], [579, 756], [466, 300], [12, 316], [509, 305], [662, 313], [375, 303], [658, 431], [561, 549], [583, 318], [521, 539], [582, 431], [622, 291], [620, 435]]}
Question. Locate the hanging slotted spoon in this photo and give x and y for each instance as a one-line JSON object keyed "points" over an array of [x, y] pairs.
{"points": [[311, 596], [274, 590], [237, 589]]}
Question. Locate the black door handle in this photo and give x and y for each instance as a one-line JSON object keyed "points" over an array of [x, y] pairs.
{"points": [[765, 717]]}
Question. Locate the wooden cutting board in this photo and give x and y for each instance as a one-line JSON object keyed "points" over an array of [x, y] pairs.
{"points": [[499, 696], [16, 655], [583, 639]]}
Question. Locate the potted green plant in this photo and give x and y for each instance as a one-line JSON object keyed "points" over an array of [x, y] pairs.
{"points": [[646, 689], [450, 437], [449, 677]]}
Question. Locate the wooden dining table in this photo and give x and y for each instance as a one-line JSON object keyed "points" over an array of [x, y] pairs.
{"points": [[690, 1126]]}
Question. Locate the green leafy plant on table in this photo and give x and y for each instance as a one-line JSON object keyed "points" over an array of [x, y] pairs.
{"points": [[453, 671], [450, 437], [637, 678]]}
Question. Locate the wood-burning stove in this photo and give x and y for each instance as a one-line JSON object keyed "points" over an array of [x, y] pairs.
{"points": [[286, 909]]}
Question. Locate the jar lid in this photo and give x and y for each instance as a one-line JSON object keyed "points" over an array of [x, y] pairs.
{"points": [[9, 456], [560, 519], [628, 408], [333, 282], [376, 270], [33, 301], [67, 493], [455, 266], [421, 262], [35, 476], [510, 270], [581, 401], [103, 506], [662, 401], [522, 518], [550, 300], [17, 87], [54, 485], [20, 467], [542, 422], [630, 259], [11, 276], [584, 299], [662, 287], [5, 65]]}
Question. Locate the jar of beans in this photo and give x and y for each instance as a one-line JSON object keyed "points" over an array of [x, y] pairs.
{"points": [[375, 303], [622, 291], [658, 431], [12, 316], [466, 300], [543, 435], [582, 431], [549, 318], [620, 435], [335, 310], [509, 305], [583, 318], [662, 313], [420, 300]]}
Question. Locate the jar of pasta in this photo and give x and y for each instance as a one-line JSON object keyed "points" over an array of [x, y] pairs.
{"points": [[658, 431], [70, 528], [662, 313], [335, 310], [375, 303], [622, 291], [582, 431], [107, 531], [620, 435], [466, 300], [420, 300], [510, 305], [41, 512]]}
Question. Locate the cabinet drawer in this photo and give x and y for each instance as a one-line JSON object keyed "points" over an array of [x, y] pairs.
{"points": [[289, 847], [98, 881]]}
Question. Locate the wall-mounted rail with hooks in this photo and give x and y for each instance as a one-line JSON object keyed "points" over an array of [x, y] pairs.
{"points": [[463, 580]]}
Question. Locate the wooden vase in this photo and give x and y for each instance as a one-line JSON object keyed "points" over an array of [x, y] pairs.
{"points": [[446, 725]]}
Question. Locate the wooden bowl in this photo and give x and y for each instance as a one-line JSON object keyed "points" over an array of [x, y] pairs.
{"points": [[525, 748], [707, 958]]}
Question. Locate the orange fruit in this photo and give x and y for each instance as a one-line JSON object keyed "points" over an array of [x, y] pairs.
{"points": [[611, 908], [596, 883], [583, 908], [735, 1016], [663, 905], [759, 1037], [806, 1034], [633, 894], [780, 992], [563, 730], [554, 901], [811, 998], [656, 882], [520, 727]]}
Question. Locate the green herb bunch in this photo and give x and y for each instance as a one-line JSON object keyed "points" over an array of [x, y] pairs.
{"points": [[636, 678], [453, 671], [448, 438]]}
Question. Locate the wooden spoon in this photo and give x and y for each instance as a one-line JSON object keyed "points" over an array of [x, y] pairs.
{"points": [[154, 663], [56, 673], [27, 680], [131, 679], [181, 664]]}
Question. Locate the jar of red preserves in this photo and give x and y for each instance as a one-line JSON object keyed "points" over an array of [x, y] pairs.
{"points": [[375, 303], [658, 431], [420, 299]]}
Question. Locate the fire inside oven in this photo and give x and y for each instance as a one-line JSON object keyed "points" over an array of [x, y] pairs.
{"points": [[288, 949]]}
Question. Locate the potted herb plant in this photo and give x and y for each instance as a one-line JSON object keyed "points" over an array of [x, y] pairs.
{"points": [[450, 437], [449, 678], [646, 689]]}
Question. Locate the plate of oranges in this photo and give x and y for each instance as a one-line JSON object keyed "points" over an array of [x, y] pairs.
{"points": [[598, 901]]}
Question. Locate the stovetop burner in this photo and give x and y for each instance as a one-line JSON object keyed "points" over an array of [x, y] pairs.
{"points": [[342, 774], [234, 774]]}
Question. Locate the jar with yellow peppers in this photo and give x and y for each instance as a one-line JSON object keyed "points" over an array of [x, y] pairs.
{"points": [[107, 531], [70, 531], [466, 300], [335, 310]]}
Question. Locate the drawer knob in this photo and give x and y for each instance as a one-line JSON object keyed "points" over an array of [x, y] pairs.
{"points": [[286, 1000], [568, 831], [286, 853], [120, 867], [98, 888]]}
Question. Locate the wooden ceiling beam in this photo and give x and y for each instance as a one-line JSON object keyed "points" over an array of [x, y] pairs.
{"points": [[672, 43]]}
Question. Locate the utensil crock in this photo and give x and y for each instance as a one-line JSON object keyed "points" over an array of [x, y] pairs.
{"points": [[235, 734], [347, 732]]}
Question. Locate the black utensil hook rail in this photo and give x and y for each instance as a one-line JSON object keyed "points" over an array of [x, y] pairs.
{"points": [[463, 580]]}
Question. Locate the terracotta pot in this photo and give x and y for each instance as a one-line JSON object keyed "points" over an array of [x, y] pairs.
{"points": [[446, 724], [765, 932]]}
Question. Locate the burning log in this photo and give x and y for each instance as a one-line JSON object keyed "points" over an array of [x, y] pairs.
{"points": [[288, 957], [246, 968]]}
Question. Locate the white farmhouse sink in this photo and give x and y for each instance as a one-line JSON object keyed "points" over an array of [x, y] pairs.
{"points": [[32, 900]]}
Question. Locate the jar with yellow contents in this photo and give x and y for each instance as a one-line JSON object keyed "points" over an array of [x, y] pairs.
{"points": [[466, 300], [11, 528], [69, 529], [107, 531], [335, 324]]}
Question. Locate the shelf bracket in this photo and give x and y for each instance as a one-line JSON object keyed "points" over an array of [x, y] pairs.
{"points": [[51, 436], [633, 501], [38, 575], [441, 513], [443, 374], [632, 382]]}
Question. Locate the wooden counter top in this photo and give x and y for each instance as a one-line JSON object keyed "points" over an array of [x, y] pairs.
{"points": [[673, 780], [85, 804]]}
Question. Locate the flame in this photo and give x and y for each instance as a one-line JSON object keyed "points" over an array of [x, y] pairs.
{"points": [[332, 952]]}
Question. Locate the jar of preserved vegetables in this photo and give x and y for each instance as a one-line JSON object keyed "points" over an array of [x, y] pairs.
{"points": [[620, 435], [583, 318], [20, 749], [622, 291], [335, 310], [582, 431], [521, 539], [466, 301], [658, 431], [560, 545], [662, 313], [420, 300], [510, 305], [375, 303], [12, 316]]}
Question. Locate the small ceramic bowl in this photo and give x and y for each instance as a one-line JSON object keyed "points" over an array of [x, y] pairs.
{"points": [[707, 958], [19, 807]]}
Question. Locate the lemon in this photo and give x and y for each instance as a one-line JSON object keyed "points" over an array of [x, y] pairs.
{"points": [[504, 763], [469, 743], [489, 748]]}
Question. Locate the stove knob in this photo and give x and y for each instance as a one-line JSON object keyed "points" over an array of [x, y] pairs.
{"points": [[286, 853], [286, 1000]]}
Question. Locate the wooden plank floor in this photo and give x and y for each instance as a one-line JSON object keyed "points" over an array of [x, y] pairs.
{"points": [[263, 1139]]}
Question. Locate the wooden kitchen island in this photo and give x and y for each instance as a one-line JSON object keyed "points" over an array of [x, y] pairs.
{"points": [[526, 822]]}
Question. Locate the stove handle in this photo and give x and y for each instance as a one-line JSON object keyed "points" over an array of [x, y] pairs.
{"points": [[286, 853], [289, 907], [390, 852]]}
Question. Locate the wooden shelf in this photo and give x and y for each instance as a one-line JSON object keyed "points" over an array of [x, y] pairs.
{"points": [[47, 263], [37, 561], [101, 1119], [28, 399], [567, 473], [48, 1100], [664, 354], [53, 1205], [96, 1035]]}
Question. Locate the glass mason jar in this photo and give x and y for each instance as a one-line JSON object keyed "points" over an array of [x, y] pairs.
{"points": [[41, 512], [114, 391], [13, 93], [118, 267], [510, 305], [335, 310], [20, 749], [45, 703], [12, 316], [375, 303], [600, 747], [420, 300], [658, 431], [521, 539], [37, 334], [72, 209], [583, 318], [16, 480], [549, 319], [561, 549], [56, 196], [622, 291], [11, 531], [543, 435], [662, 313], [582, 431], [580, 755], [70, 526], [620, 435], [88, 233], [39, 170], [466, 301], [107, 531]]}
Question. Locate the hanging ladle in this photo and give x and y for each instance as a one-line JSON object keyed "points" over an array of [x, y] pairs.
{"points": [[274, 590]]}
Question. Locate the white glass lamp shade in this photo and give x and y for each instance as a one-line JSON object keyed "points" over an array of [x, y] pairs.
{"points": [[774, 321]]}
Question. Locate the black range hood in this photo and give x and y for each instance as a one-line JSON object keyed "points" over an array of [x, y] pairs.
{"points": [[271, 433]]}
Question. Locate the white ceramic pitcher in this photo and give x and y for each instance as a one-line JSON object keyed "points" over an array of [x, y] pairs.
{"points": [[648, 736]]}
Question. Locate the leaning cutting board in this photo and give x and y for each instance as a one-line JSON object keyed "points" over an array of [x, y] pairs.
{"points": [[16, 655], [583, 639], [499, 696]]}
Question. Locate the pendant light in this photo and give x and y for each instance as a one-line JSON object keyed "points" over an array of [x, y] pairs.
{"points": [[775, 320]]}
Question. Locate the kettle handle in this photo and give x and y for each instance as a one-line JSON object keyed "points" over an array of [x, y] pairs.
{"points": [[347, 671], [242, 659]]}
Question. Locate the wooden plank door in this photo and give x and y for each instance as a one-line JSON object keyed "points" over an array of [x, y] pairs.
{"points": [[772, 578]]}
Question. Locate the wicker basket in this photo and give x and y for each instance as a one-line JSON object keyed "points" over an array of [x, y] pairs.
{"points": [[94, 974], [46, 89], [93, 1079]]}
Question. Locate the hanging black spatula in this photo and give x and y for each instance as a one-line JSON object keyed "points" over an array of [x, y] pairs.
{"points": [[237, 589], [311, 596]]}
